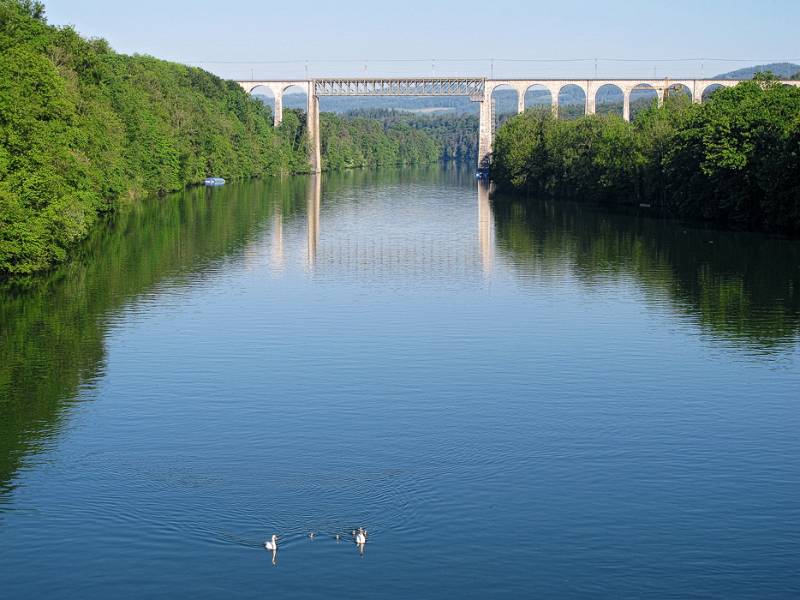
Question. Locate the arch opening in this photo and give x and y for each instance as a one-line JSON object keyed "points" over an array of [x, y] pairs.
{"points": [[571, 102], [678, 89], [710, 89], [504, 104], [677, 95], [609, 100], [643, 96], [538, 97], [264, 95], [295, 98]]}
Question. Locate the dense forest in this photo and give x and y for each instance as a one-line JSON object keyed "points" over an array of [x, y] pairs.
{"points": [[732, 159], [361, 142], [456, 134], [83, 128]]}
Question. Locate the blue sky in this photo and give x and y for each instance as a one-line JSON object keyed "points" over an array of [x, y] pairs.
{"points": [[237, 39]]}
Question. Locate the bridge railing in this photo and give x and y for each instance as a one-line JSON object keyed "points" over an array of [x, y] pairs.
{"points": [[421, 86]]}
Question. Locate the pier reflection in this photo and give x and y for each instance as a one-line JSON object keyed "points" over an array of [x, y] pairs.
{"points": [[372, 239], [312, 216], [277, 262], [485, 228]]}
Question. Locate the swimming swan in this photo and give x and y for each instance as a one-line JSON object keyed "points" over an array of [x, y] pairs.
{"points": [[361, 537], [272, 545]]}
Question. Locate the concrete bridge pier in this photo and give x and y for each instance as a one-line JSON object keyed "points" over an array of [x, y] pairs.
{"points": [[314, 141], [697, 93], [626, 104], [485, 132], [277, 118], [590, 106], [520, 102]]}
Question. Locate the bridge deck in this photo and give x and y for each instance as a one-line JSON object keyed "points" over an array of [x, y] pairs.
{"points": [[418, 86]]}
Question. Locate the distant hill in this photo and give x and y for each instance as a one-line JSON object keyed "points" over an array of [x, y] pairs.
{"points": [[782, 70]]}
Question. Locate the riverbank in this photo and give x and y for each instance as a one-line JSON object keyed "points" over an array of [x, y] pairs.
{"points": [[731, 160]]}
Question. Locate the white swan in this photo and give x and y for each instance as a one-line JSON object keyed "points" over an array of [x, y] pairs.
{"points": [[361, 537], [272, 545]]}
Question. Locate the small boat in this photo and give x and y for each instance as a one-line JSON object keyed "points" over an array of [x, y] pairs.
{"points": [[214, 181]]}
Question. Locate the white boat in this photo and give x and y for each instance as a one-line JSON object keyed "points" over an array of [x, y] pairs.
{"points": [[214, 181]]}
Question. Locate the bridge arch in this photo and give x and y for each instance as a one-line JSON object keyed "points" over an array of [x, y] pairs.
{"points": [[295, 96], [678, 93], [678, 89], [571, 101], [538, 97], [265, 94], [642, 97], [610, 100], [709, 90], [505, 102]]}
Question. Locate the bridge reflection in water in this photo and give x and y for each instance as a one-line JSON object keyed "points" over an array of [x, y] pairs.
{"points": [[312, 216], [418, 252]]}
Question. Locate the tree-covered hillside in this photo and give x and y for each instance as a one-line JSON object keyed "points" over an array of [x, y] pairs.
{"points": [[360, 142], [455, 134], [732, 159], [781, 70], [82, 127]]}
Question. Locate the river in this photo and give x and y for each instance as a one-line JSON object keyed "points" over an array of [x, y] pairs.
{"points": [[516, 399]]}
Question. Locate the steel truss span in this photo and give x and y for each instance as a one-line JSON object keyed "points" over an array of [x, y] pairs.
{"points": [[420, 86]]}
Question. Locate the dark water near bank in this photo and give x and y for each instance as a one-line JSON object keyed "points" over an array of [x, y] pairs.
{"points": [[515, 399]]}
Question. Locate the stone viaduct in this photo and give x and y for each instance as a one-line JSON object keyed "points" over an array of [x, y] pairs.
{"points": [[478, 90]]}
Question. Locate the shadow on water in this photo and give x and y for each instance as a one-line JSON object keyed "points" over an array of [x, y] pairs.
{"points": [[736, 286], [52, 327]]}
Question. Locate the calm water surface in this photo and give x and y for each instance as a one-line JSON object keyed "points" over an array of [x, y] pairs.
{"points": [[517, 399]]}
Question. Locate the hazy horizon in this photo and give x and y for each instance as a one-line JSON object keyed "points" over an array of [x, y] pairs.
{"points": [[446, 38]]}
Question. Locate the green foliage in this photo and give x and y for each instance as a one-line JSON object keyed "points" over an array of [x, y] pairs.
{"points": [[82, 127], [455, 133], [360, 142], [733, 159]]}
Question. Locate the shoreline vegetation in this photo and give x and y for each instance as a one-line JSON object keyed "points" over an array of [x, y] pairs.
{"points": [[733, 160], [84, 129]]}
